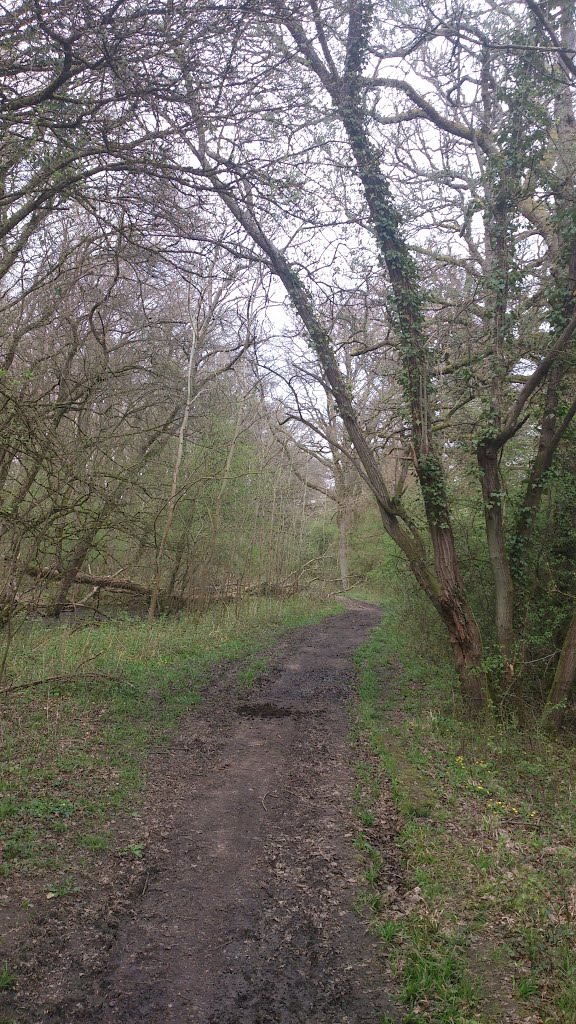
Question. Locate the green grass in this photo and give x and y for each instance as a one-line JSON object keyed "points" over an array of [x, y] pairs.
{"points": [[7, 979], [72, 754], [488, 837], [252, 668]]}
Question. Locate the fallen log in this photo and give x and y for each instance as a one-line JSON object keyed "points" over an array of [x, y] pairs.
{"points": [[122, 585], [117, 583], [197, 597]]}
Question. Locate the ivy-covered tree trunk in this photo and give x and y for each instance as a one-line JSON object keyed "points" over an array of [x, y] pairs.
{"points": [[444, 587], [453, 604]]}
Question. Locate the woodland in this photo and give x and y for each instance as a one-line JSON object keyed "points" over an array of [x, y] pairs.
{"points": [[288, 511], [288, 296]]}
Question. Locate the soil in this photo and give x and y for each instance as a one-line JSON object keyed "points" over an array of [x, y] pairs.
{"points": [[243, 910]]}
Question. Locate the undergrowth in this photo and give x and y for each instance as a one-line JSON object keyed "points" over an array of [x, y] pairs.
{"points": [[487, 931], [72, 754]]}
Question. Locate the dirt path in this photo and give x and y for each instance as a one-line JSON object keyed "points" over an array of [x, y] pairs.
{"points": [[246, 914]]}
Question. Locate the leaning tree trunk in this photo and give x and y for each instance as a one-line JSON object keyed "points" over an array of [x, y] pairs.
{"points": [[408, 296], [444, 588], [444, 585]]}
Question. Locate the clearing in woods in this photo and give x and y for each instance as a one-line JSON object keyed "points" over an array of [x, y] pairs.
{"points": [[246, 911]]}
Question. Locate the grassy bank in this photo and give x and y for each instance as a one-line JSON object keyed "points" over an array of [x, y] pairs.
{"points": [[486, 928], [72, 752]]}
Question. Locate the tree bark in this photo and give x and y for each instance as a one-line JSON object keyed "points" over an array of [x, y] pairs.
{"points": [[69, 576], [564, 680], [343, 519], [492, 495], [117, 583], [172, 497]]}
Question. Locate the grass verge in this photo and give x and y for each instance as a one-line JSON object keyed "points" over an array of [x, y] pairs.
{"points": [[487, 930], [72, 754]]}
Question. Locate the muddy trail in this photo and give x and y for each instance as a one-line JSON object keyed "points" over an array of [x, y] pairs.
{"points": [[245, 909]]}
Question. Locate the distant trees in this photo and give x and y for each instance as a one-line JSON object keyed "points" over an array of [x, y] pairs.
{"points": [[307, 415], [108, 399]]}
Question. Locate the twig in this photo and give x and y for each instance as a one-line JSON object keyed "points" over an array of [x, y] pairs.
{"points": [[69, 678]]}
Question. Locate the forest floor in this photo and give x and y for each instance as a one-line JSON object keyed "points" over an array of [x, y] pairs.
{"points": [[241, 905]]}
